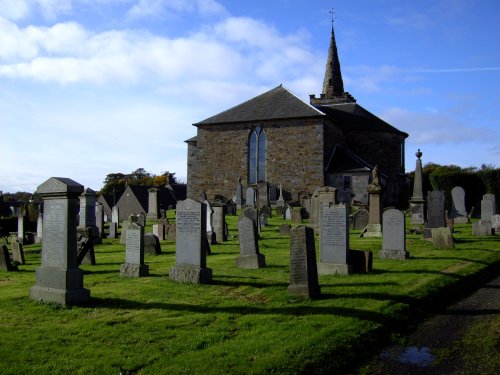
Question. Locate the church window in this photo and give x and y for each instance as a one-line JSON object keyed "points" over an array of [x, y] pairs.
{"points": [[257, 156]]}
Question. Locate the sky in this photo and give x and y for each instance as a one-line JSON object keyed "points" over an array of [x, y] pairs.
{"points": [[92, 87]]}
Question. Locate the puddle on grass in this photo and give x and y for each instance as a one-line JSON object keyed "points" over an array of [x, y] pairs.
{"points": [[411, 354]]}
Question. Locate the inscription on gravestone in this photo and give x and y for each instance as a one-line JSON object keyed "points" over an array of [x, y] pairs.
{"points": [[55, 219], [394, 235]]}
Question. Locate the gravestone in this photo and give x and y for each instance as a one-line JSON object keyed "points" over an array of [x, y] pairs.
{"points": [[296, 214], [134, 251], [495, 223], [417, 201], [334, 241], [250, 197], [190, 253], [273, 194], [20, 227], [152, 244], [141, 219], [59, 279], [458, 211], [322, 197], [39, 226], [361, 261], [219, 222], [374, 227], [99, 218], [115, 217], [249, 246], [262, 194], [17, 252], [488, 207], [159, 231], [281, 201], [87, 214], [231, 208], [238, 194], [303, 268], [306, 206], [394, 235], [442, 237], [482, 228], [360, 219], [171, 230], [435, 212], [285, 229], [153, 204], [203, 196], [5, 263], [251, 213], [287, 214], [210, 224], [123, 234], [113, 230], [265, 211], [85, 246]]}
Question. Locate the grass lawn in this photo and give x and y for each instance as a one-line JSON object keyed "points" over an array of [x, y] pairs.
{"points": [[243, 323]]}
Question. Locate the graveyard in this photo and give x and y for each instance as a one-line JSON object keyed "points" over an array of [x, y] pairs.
{"points": [[243, 320]]}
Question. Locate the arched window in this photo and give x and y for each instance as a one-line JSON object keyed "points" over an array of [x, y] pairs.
{"points": [[256, 156]]}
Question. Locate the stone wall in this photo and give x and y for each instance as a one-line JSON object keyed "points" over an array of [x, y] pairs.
{"points": [[219, 157]]}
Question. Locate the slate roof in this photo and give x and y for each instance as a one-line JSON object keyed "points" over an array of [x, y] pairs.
{"points": [[352, 116], [278, 103]]}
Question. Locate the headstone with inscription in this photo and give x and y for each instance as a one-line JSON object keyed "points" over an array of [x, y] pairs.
{"points": [[303, 268], [249, 245], [394, 235], [190, 253], [442, 237], [435, 212], [334, 241], [153, 204], [458, 211], [263, 194], [59, 279], [250, 197], [17, 252], [322, 197], [134, 251], [488, 207]]}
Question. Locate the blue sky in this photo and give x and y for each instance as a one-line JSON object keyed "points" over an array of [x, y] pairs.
{"points": [[91, 87]]}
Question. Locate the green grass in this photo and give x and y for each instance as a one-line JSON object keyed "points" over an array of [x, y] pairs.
{"points": [[243, 323]]}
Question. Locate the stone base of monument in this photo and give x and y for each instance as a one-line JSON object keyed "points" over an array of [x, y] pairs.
{"points": [[482, 228], [251, 261], [334, 269], [134, 270], [191, 274], [394, 254], [64, 287], [372, 230], [361, 261], [461, 220], [303, 290], [442, 237]]}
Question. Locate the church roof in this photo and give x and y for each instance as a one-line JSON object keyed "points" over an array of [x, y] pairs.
{"points": [[278, 103], [352, 116]]}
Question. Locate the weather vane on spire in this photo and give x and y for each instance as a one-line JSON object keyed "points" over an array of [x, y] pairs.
{"points": [[332, 12]]}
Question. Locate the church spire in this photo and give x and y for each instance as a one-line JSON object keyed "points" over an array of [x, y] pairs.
{"points": [[333, 86]]}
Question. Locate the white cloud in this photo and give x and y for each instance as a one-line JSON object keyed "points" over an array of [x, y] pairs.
{"points": [[14, 9], [169, 8]]}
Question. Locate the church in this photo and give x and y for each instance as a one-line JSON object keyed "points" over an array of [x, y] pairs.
{"points": [[278, 138]]}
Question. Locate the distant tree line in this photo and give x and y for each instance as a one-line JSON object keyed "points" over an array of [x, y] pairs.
{"points": [[115, 183]]}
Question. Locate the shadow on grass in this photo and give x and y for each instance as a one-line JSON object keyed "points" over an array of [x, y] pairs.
{"points": [[455, 258], [247, 283], [419, 272]]}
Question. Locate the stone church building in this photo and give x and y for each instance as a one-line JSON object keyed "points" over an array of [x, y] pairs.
{"points": [[278, 138]]}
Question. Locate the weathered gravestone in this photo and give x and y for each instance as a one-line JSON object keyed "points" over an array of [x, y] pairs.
{"points": [[5, 263], [324, 196], [249, 246], [17, 252], [113, 230], [39, 226], [219, 222], [394, 235], [458, 211], [360, 219], [488, 207], [266, 211], [159, 231], [334, 241], [281, 201], [171, 230], [141, 219], [238, 194], [20, 227], [285, 229], [123, 234], [210, 223], [374, 227], [495, 223], [152, 244], [296, 215], [134, 251], [250, 197], [99, 218], [153, 204], [303, 268], [273, 194], [190, 253], [287, 213], [262, 194], [87, 214], [115, 217], [59, 279], [251, 213], [231, 208], [442, 237], [435, 212]]}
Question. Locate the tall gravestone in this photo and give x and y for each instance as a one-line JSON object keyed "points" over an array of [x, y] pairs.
{"points": [[115, 214], [374, 227], [417, 201], [322, 197], [249, 245], [250, 197], [435, 212], [17, 252], [134, 251], [210, 224], [458, 211], [39, 226], [238, 194], [87, 214], [190, 253], [20, 226], [334, 241], [99, 218], [484, 227], [59, 279], [219, 222], [159, 231], [153, 204], [263, 194], [394, 235], [113, 229], [303, 268], [141, 219]]}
